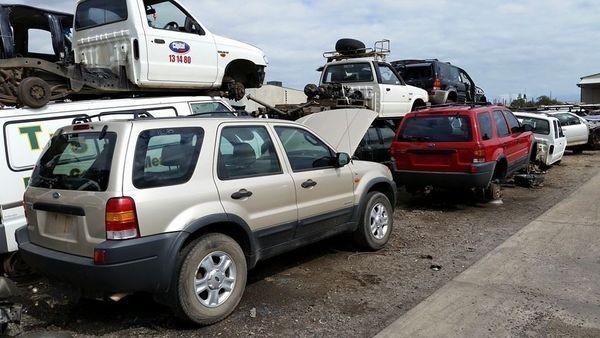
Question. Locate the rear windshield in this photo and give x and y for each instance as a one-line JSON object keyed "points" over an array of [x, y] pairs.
{"points": [[77, 161], [414, 72], [92, 13], [436, 128]]}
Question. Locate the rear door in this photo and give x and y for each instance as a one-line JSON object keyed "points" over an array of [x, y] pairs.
{"points": [[435, 142], [560, 142], [519, 143], [253, 183], [179, 49], [68, 190], [324, 193]]}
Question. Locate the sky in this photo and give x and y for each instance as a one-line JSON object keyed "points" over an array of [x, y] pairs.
{"points": [[535, 47]]}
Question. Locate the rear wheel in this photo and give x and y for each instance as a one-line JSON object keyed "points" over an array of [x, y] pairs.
{"points": [[376, 222], [577, 150], [34, 92], [211, 279], [493, 191], [595, 140]]}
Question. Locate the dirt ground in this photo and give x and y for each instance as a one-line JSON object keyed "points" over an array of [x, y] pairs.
{"points": [[330, 289]]}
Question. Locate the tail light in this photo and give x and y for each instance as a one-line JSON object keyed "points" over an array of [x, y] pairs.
{"points": [[479, 155], [437, 84], [121, 219]]}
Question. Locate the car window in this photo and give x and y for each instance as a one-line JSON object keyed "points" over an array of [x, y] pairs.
{"points": [[388, 132], [350, 72], [513, 123], [501, 126], [436, 128], [167, 15], [93, 13], [246, 151], [387, 75], [566, 119], [76, 161], [558, 132], [415, 72], [539, 126], [304, 150], [166, 156], [453, 74], [485, 125]]}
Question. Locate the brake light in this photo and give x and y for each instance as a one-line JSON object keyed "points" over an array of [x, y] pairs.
{"points": [[437, 84], [479, 155], [121, 219], [81, 127]]}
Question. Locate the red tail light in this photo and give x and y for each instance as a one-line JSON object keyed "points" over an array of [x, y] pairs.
{"points": [[121, 219], [437, 84], [479, 155]]}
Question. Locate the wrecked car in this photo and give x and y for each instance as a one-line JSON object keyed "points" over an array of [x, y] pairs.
{"points": [[551, 141]]}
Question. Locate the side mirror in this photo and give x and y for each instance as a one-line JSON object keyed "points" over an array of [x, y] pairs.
{"points": [[341, 159], [527, 127]]}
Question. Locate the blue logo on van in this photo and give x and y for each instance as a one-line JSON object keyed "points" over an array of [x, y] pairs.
{"points": [[179, 47]]}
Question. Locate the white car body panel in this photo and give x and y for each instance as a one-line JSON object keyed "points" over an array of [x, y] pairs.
{"points": [[551, 145], [576, 131]]}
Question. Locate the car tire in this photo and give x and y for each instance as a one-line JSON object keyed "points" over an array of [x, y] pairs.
{"points": [[34, 92], [493, 192], [376, 222], [215, 263], [349, 46], [577, 150]]}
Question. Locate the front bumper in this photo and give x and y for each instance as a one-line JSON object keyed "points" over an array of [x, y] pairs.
{"points": [[141, 264]]}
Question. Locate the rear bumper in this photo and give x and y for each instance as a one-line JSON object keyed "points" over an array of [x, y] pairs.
{"points": [[141, 264], [438, 96], [480, 177]]}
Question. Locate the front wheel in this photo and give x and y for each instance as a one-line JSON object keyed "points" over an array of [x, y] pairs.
{"points": [[376, 222], [211, 279]]}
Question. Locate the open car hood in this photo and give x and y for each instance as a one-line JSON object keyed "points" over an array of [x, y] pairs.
{"points": [[342, 128]]}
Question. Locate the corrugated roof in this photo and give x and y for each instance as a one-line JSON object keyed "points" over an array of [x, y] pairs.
{"points": [[590, 79]]}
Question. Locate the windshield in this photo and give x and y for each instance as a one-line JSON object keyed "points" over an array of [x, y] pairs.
{"points": [[77, 161], [436, 128], [350, 72]]}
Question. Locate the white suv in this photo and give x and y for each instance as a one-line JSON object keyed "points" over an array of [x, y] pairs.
{"points": [[182, 207]]}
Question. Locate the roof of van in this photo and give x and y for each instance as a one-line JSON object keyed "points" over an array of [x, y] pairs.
{"points": [[83, 105]]}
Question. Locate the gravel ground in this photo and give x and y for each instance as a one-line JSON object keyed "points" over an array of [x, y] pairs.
{"points": [[330, 289]]}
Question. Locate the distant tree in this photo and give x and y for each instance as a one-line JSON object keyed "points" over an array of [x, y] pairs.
{"points": [[547, 101]]}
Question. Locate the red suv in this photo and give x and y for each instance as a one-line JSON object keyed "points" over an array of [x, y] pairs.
{"points": [[460, 147]]}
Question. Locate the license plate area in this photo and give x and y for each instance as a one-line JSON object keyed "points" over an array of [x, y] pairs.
{"points": [[59, 225]]}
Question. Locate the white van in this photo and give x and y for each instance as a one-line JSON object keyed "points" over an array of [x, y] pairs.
{"points": [[24, 132]]}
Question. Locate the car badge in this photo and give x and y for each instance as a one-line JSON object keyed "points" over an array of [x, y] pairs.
{"points": [[56, 195]]}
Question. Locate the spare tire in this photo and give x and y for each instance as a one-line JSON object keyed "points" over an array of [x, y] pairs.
{"points": [[349, 46]]}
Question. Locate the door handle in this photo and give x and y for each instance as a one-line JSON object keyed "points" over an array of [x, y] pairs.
{"points": [[159, 41], [242, 193], [388, 89], [308, 184]]}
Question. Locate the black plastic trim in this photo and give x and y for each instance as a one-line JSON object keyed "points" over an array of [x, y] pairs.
{"points": [[62, 209]]}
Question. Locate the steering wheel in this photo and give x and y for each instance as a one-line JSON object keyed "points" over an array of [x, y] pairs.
{"points": [[172, 25], [89, 183]]}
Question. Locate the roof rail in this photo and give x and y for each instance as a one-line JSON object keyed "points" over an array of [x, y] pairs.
{"points": [[454, 104], [137, 114], [379, 52]]}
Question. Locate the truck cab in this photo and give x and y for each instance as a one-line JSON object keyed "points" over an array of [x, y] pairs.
{"points": [[363, 75], [159, 44]]}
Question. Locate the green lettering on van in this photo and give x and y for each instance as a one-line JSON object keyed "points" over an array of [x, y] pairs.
{"points": [[31, 134]]}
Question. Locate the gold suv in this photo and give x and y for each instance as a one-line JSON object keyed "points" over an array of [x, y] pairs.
{"points": [[183, 207]]}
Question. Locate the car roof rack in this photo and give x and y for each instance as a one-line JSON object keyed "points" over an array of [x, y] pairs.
{"points": [[137, 114], [379, 52]]}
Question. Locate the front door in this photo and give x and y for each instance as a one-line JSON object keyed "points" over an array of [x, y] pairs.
{"points": [[179, 50], [396, 98], [324, 193], [560, 142]]}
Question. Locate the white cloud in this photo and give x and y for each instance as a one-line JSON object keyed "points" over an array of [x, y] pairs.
{"points": [[535, 46]]}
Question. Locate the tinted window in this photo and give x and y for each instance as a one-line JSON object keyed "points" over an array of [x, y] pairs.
{"points": [[246, 152], [416, 72], [93, 13], [353, 72], [540, 126], [304, 150], [208, 107], [501, 127], [485, 126], [436, 128], [78, 161], [453, 74], [387, 75], [513, 123], [166, 156]]}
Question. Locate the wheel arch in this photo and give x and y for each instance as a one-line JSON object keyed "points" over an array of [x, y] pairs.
{"points": [[230, 225], [501, 168], [418, 104], [244, 71]]}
